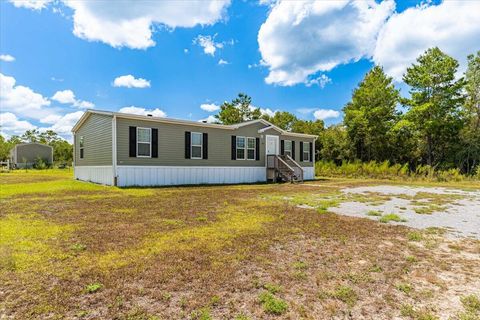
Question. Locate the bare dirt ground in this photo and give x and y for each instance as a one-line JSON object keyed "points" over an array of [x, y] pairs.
{"points": [[73, 250]]}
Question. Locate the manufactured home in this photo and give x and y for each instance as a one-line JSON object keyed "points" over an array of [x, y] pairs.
{"points": [[26, 155], [122, 149]]}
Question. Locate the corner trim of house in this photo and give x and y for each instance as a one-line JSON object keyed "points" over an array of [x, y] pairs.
{"points": [[114, 150]]}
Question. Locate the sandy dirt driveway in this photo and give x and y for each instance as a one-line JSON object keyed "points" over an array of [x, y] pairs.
{"points": [[457, 211]]}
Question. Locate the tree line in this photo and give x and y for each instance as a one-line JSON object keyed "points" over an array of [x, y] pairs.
{"points": [[437, 125]]}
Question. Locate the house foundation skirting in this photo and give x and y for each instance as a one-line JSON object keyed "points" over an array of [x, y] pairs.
{"points": [[97, 174], [308, 173], [172, 175]]}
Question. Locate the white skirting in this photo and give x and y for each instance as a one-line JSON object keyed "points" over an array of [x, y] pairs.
{"points": [[97, 174], [308, 173], [169, 175]]}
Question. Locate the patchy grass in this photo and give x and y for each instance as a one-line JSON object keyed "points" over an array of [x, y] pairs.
{"points": [[93, 287], [28, 241], [271, 304], [70, 249], [374, 213], [386, 218]]}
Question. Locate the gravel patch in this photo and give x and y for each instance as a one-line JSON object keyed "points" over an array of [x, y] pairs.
{"points": [[460, 217]]}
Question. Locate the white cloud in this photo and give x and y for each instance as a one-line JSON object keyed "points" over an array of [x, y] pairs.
{"points": [[210, 107], [65, 96], [21, 99], [321, 81], [63, 124], [130, 81], [51, 119], [209, 119], [31, 4], [269, 112], [130, 23], [208, 44], [68, 97], [142, 111], [7, 58], [453, 26], [223, 62], [11, 125], [323, 114], [301, 38]]}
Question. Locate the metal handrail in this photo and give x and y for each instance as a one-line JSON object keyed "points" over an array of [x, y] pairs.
{"points": [[286, 164], [296, 164]]}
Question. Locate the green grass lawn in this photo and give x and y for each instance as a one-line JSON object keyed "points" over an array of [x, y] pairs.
{"points": [[70, 249]]}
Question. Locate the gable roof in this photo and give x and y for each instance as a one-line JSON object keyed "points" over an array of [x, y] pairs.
{"points": [[187, 122]]}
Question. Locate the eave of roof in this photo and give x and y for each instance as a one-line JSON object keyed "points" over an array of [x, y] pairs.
{"points": [[185, 122]]}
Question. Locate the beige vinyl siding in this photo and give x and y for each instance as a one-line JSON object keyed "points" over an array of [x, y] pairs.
{"points": [[97, 133], [297, 148], [30, 152], [297, 140], [171, 145]]}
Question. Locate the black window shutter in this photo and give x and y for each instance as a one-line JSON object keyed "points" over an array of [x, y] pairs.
{"points": [[293, 150], [132, 138], [311, 152], [205, 146], [257, 148], [154, 143], [301, 150], [234, 147], [282, 147], [187, 144]]}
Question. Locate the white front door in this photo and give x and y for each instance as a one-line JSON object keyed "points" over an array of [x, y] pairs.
{"points": [[272, 144]]}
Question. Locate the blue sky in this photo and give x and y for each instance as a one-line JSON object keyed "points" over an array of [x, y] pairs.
{"points": [[58, 58]]}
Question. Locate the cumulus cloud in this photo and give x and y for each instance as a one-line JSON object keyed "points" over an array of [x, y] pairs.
{"points": [[142, 111], [209, 119], [7, 58], [130, 23], [51, 119], [269, 112], [322, 114], [10, 124], [453, 26], [209, 45], [223, 62], [130, 81], [63, 124], [65, 96], [68, 97], [210, 107], [301, 38], [320, 81], [31, 4], [21, 99]]}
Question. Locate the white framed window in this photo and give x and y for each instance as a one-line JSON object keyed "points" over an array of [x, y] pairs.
{"points": [[287, 147], [306, 152], [81, 143], [250, 148], [241, 148], [144, 142], [196, 145]]}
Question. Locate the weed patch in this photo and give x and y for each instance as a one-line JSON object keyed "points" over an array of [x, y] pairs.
{"points": [[391, 217], [271, 304]]}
